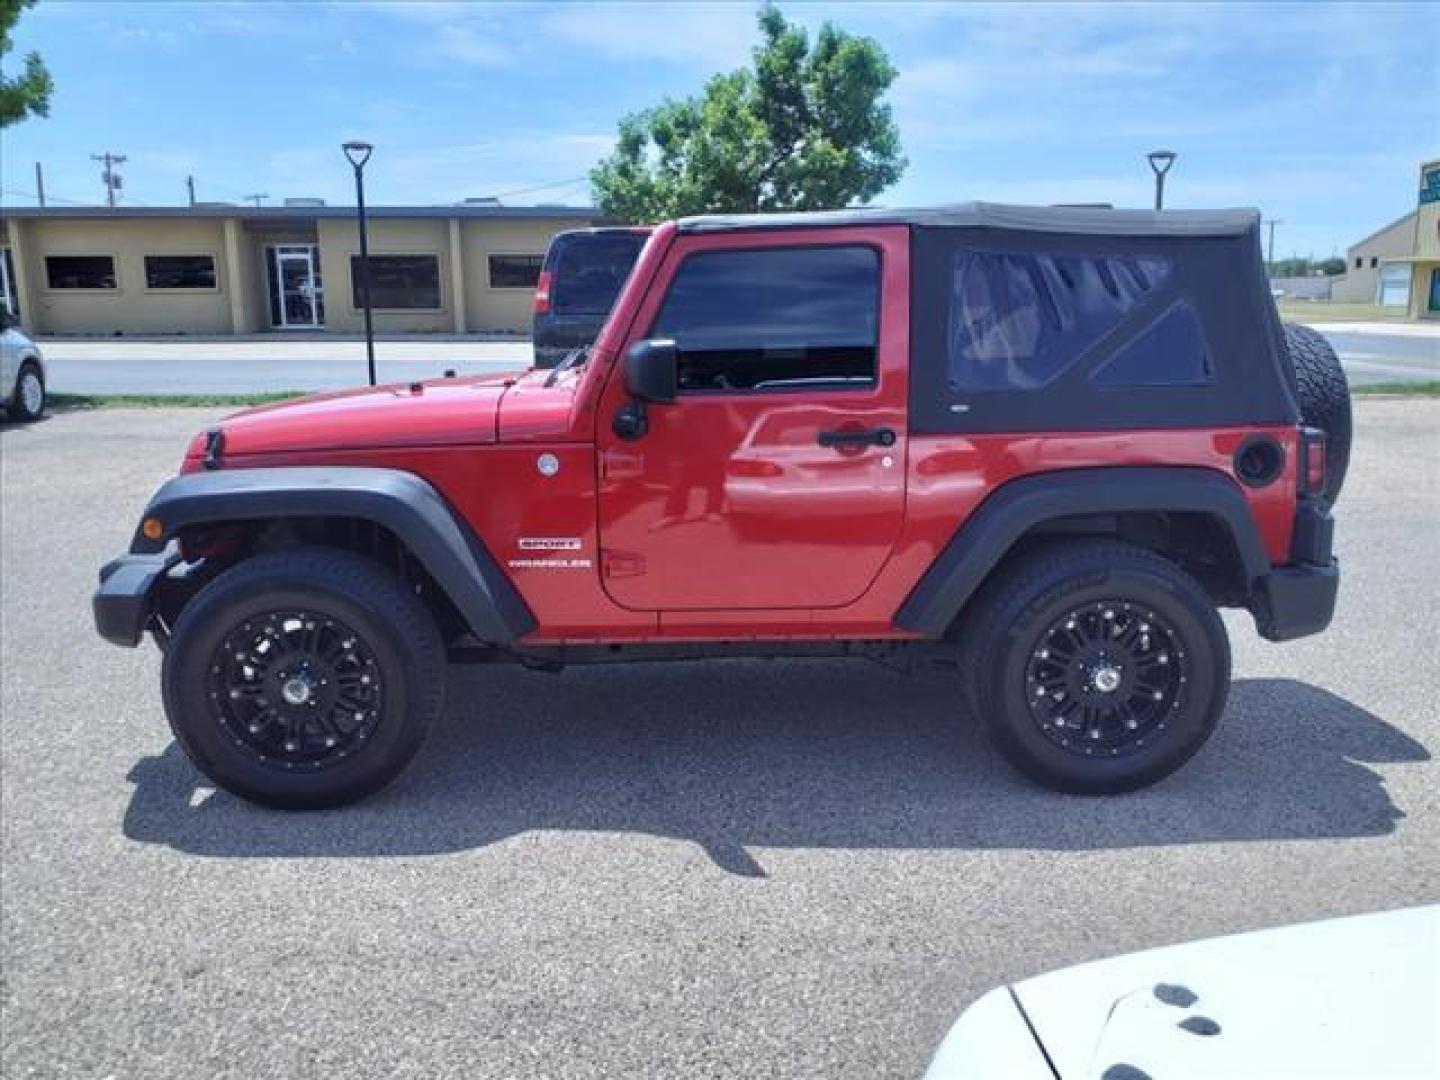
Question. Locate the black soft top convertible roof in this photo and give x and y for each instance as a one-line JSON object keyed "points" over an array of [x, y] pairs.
{"points": [[1067, 220]]}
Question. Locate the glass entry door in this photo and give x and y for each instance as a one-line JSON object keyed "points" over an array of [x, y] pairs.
{"points": [[9, 302], [297, 299]]}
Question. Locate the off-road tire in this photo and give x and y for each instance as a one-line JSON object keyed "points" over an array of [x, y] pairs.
{"points": [[1324, 400], [394, 629], [1009, 622], [21, 410]]}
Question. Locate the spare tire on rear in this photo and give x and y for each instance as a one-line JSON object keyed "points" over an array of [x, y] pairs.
{"points": [[1324, 400]]}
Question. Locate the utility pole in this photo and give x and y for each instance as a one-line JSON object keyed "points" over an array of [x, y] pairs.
{"points": [[1270, 249], [39, 184], [190, 189], [256, 199], [110, 177]]}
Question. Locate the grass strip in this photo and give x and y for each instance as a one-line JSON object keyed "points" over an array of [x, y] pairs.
{"points": [[73, 402], [1416, 388]]}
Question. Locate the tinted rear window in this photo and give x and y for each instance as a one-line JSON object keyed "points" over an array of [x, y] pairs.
{"points": [[590, 273]]}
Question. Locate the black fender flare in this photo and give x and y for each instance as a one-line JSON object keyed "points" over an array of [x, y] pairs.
{"points": [[1017, 506], [400, 501]]}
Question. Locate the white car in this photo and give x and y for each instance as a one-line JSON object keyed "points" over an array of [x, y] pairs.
{"points": [[1354, 997], [22, 371]]}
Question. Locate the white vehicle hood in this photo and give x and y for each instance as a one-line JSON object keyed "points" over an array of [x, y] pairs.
{"points": [[1353, 997]]}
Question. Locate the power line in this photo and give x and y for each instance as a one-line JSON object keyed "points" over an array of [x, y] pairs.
{"points": [[542, 187], [48, 197]]}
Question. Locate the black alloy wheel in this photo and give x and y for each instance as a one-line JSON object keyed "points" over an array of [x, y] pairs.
{"points": [[298, 690], [1104, 677], [1096, 666], [303, 679]]}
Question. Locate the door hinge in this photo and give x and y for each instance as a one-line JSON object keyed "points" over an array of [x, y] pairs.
{"points": [[622, 564]]}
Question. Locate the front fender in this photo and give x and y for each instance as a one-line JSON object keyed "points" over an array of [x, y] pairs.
{"points": [[399, 501]]}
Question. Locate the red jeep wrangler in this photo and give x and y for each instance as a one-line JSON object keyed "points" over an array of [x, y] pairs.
{"points": [[1052, 440]]}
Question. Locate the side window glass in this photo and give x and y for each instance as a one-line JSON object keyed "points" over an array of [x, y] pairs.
{"points": [[1017, 320], [774, 319], [1171, 352]]}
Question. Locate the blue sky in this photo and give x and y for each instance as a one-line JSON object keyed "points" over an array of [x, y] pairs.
{"points": [[1318, 114]]}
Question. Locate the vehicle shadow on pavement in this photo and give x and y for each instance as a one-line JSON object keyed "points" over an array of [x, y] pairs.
{"points": [[821, 754]]}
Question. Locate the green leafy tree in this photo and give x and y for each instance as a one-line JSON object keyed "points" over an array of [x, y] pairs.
{"points": [[1306, 266], [26, 94], [802, 129]]}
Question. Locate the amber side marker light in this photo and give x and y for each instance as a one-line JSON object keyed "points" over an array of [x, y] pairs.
{"points": [[152, 529]]}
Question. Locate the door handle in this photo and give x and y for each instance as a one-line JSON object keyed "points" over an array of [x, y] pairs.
{"points": [[880, 436]]}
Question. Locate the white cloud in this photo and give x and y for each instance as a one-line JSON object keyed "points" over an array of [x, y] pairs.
{"points": [[518, 160], [710, 37], [472, 45]]}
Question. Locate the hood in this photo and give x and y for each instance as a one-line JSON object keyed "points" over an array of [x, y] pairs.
{"points": [[1353, 996], [439, 412]]}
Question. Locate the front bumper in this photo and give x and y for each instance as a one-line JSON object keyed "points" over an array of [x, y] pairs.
{"points": [[1299, 599], [122, 604]]}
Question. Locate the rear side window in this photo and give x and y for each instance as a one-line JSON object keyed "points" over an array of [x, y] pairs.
{"points": [[775, 318], [1018, 320], [1172, 351], [590, 273]]}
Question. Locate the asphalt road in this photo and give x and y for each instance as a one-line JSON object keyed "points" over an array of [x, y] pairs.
{"points": [[740, 869], [249, 367], [1374, 357], [242, 367]]}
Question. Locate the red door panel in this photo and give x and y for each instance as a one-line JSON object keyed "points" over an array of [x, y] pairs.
{"points": [[730, 501]]}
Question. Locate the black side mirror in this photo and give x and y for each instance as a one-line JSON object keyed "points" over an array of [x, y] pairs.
{"points": [[651, 371]]}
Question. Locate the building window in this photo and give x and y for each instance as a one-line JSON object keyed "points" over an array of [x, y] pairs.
{"points": [[515, 271], [774, 319], [80, 272], [179, 271], [1374, 261], [399, 282], [1359, 262]]}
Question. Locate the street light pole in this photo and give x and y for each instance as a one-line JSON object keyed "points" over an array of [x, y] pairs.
{"points": [[358, 154], [1160, 162]]}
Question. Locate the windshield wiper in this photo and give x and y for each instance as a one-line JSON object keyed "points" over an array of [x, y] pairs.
{"points": [[574, 358]]}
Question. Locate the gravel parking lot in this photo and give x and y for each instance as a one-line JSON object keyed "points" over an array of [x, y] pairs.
{"points": [[736, 869]]}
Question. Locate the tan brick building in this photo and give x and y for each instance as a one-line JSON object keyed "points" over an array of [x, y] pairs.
{"points": [[1399, 266], [214, 269], [1425, 262]]}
